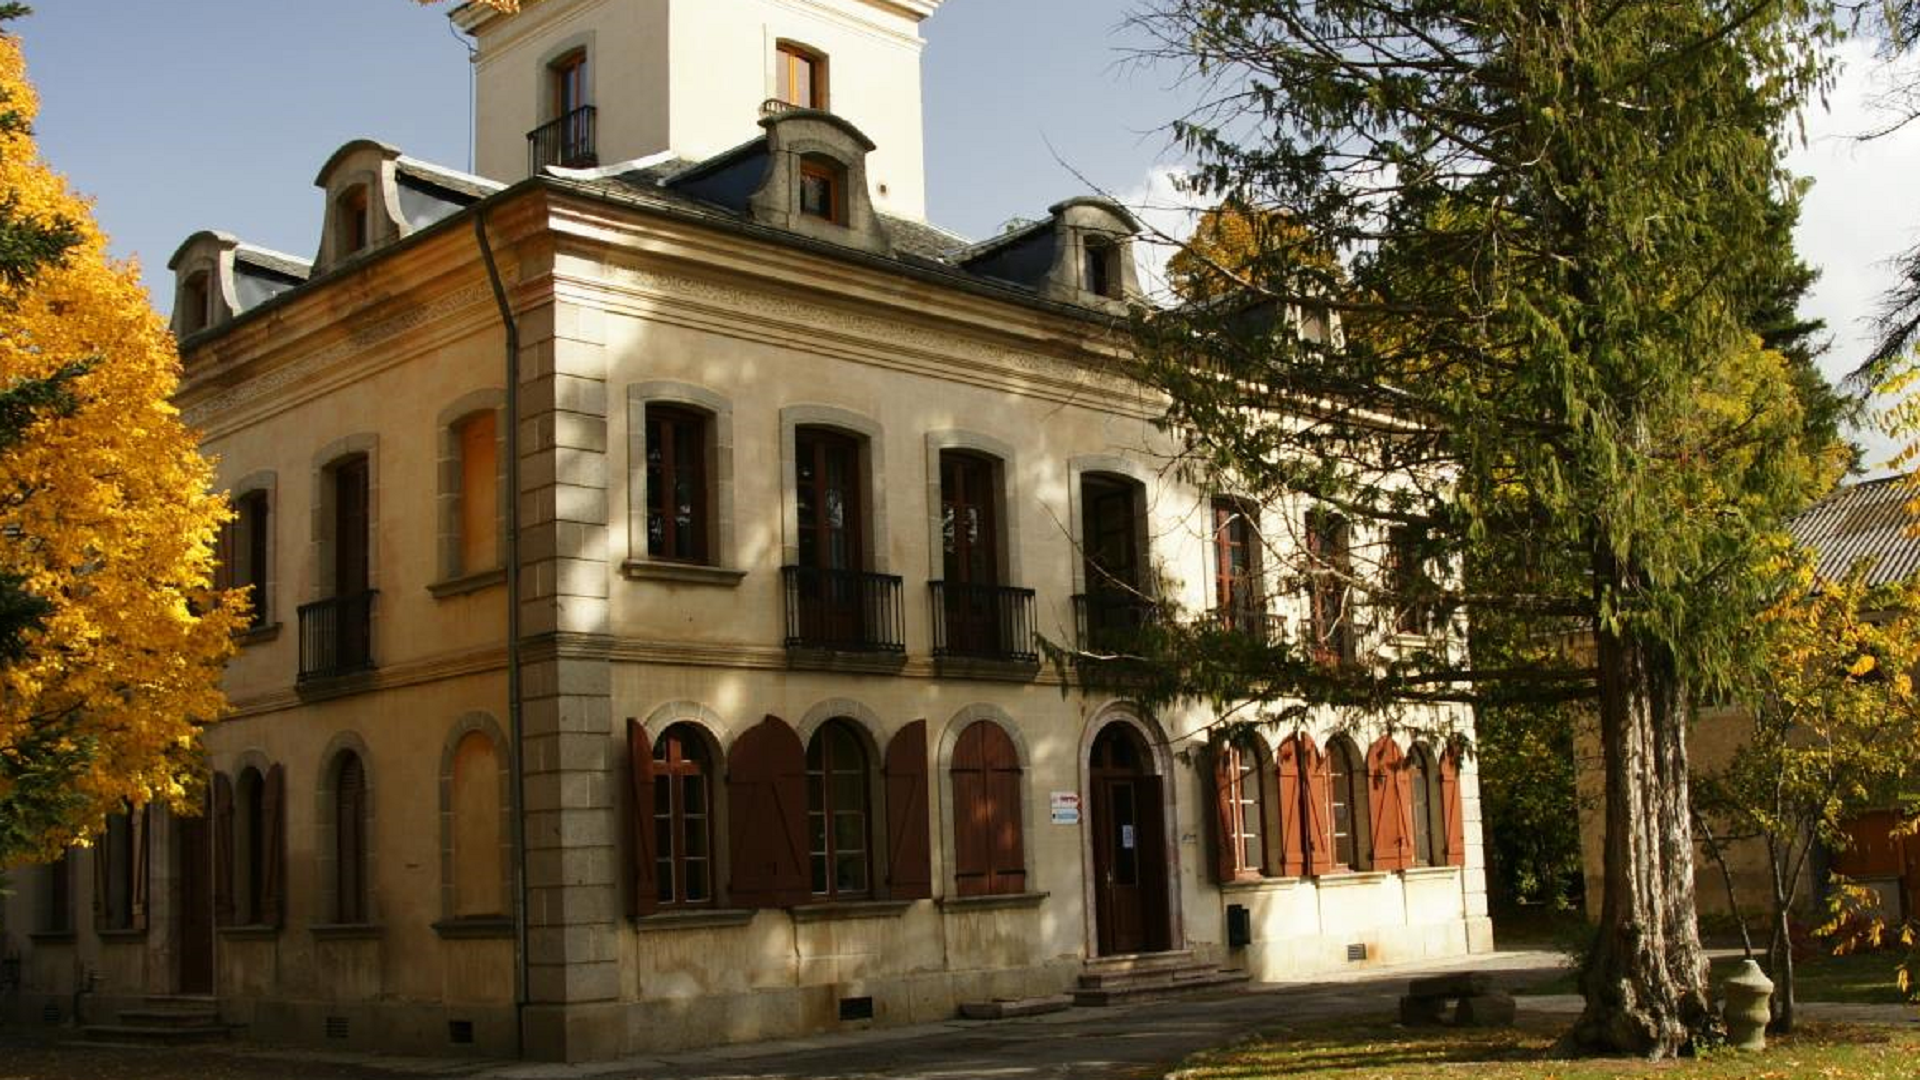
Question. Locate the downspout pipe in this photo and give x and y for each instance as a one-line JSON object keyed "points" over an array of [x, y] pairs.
{"points": [[516, 770]]}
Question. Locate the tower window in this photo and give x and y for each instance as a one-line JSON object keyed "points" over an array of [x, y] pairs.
{"points": [[801, 76], [823, 189]]}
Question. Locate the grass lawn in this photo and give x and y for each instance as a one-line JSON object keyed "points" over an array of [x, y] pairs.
{"points": [[1857, 979], [1379, 1050]]}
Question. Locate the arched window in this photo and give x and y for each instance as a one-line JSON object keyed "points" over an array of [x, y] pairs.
{"points": [[249, 837], [1240, 781], [839, 799], [800, 78], [1429, 829], [249, 846], [683, 817], [476, 437], [988, 849], [349, 839], [1348, 807], [478, 877]]}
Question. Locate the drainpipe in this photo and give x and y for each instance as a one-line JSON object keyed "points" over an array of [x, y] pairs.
{"points": [[516, 772]]}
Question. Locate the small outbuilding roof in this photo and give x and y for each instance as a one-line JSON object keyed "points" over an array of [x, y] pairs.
{"points": [[1864, 521]]}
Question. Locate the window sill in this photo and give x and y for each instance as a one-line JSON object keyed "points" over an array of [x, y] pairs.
{"points": [[473, 927], [693, 920], [875, 662], [1341, 879], [256, 635], [681, 573], [347, 931], [122, 935], [468, 583], [836, 910], [1259, 885], [51, 937], [249, 932], [966, 667], [1419, 873], [992, 902]]}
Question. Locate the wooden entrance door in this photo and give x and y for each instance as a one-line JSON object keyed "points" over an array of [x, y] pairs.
{"points": [[193, 907], [1127, 829]]}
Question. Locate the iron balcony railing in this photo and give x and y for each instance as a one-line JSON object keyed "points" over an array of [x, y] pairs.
{"points": [[566, 140], [1252, 620], [986, 622], [336, 636], [847, 610], [1110, 622]]}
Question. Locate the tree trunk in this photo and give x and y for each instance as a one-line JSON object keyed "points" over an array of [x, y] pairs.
{"points": [[1780, 957], [1645, 977]]}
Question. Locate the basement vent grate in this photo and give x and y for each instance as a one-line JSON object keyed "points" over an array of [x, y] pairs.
{"points": [[460, 1032], [50, 1014], [856, 1008], [336, 1027], [1356, 953]]}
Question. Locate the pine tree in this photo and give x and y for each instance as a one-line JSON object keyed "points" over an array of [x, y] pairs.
{"points": [[1551, 399]]}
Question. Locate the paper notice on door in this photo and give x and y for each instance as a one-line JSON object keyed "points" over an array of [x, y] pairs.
{"points": [[1126, 837]]}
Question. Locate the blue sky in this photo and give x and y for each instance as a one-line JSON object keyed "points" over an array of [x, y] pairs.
{"points": [[189, 114]]}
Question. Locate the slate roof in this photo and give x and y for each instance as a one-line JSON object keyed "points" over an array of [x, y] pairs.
{"points": [[1869, 521]]}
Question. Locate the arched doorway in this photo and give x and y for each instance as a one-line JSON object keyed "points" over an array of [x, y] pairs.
{"points": [[1128, 831]]}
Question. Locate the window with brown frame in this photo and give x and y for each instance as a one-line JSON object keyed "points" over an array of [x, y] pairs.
{"points": [[838, 812], [567, 79], [988, 848], [351, 228], [1328, 565], [1348, 806], [476, 438], [57, 916], [1240, 786], [241, 553], [683, 818], [1101, 275], [677, 493], [1408, 582], [801, 78], [823, 184], [350, 839], [1236, 568], [119, 860]]}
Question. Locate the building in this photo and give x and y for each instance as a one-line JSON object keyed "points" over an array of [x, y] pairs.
{"points": [[786, 482]]}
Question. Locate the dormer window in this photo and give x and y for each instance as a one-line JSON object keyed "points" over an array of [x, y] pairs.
{"points": [[1101, 276], [350, 221], [801, 78], [823, 188], [195, 303]]}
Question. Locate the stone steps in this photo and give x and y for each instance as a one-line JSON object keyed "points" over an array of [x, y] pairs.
{"points": [[165, 1021], [1123, 980]]}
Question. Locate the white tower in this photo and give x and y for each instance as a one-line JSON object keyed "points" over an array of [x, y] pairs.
{"points": [[581, 82]]}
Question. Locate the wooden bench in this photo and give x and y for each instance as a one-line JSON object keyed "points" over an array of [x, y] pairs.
{"points": [[1472, 995]]}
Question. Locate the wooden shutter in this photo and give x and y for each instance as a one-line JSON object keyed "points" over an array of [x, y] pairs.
{"points": [[1226, 815], [767, 809], [222, 850], [909, 860], [138, 887], [1450, 813], [273, 851], [972, 813], [1319, 814], [1293, 808], [350, 841], [102, 854], [1392, 806], [1004, 793], [642, 868]]}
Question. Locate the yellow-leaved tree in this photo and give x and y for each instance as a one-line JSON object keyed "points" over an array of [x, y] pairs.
{"points": [[110, 640]]}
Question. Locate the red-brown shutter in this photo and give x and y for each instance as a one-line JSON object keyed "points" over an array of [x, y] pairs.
{"points": [[101, 856], [767, 809], [1450, 813], [972, 813], [1226, 862], [1293, 813], [1392, 806], [643, 890], [1008, 847], [222, 850], [141, 832], [273, 822], [909, 860], [1319, 808]]}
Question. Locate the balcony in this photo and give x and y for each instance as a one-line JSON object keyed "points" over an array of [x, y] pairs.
{"points": [[983, 622], [1111, 622], [566, 140], [1250, 620], [336, 636], [843, 610]]}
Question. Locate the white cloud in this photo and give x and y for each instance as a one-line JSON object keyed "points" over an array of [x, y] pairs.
{"points": [[1169, 215]]}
